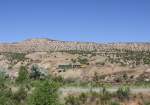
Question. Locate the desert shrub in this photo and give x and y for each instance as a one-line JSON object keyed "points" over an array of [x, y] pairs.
{"points": [[83, 60], [20, 96], [125, 76], [45, 94], [73, 60], [2, 80], [96, 78], [38, 73], [23, 75], [6, 97], [35, 72], [5, 92], [83, 98], [15, 56], [100, 63], [72, 100], [59, 79], [105, 98], [77, 52], [123, 92]]}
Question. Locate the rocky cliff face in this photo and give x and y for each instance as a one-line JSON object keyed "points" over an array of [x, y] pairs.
{"points": [[43, 45]]}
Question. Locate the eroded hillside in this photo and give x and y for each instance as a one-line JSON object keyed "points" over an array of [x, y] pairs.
{"points": [[43, 45], [113, 63]]}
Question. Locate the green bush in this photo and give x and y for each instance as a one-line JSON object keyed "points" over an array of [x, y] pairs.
{"points": [[45, 94], [20, 96], [59, 79], [6, 97], [72, 100], [38, 73], [123, 92], [83, 60], [83, 98], [2, 80], [23, 75], [105, 98]]}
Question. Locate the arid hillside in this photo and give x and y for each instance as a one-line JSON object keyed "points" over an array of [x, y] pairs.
{"points": [[42, 45], [117, 62]]}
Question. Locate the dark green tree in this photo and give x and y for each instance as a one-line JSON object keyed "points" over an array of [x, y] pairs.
{"points": [[23, 75], [2, 80]]}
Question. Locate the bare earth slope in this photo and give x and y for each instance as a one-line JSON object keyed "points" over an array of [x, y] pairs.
{"points": [[42, 45]]}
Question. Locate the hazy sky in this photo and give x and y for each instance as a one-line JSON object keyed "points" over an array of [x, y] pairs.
{"points": [[79, 20]]}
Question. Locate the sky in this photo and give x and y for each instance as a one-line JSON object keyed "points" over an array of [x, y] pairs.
{"points": [[75, 20]]}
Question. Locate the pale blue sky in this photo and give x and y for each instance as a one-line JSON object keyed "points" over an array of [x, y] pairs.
{"points": [[75, 20]]}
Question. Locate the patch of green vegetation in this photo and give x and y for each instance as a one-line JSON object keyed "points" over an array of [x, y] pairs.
{"points": [[45, 94], [23, 75], [27, 91], [81, 52], [124, 56], [123, 92], [147, 103], [15, 56], [101, 98], [38, 72], [83, 60]]}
